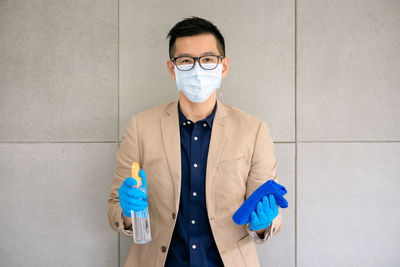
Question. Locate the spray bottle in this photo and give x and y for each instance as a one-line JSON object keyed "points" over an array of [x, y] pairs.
{"points": [[140, 219]]}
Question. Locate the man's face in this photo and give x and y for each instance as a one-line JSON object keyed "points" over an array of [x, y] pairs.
{"points": [[196, 46]]}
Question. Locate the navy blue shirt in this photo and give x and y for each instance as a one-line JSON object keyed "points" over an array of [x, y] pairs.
{"points": [[192, 242]]}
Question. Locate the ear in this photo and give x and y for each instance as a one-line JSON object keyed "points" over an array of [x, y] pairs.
{"points": [[171, 69], [225, 67]]}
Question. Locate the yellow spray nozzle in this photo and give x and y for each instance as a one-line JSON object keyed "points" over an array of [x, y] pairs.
{"points": [[135, 174]]}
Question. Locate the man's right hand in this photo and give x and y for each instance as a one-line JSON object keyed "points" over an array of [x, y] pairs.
{"points": [[132, 198]]}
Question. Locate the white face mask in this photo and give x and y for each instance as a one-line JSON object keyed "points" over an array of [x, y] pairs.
{"points": [[198, 84]]}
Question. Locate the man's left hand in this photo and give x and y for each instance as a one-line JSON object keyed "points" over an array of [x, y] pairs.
{"points": [[266, 211]]}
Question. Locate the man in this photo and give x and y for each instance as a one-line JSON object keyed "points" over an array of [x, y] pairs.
{"points": [[201, 160]]}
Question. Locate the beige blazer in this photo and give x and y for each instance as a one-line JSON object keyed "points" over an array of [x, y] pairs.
{"points": [[240, 159]]}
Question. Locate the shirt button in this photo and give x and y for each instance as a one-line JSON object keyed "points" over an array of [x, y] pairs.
{"points": [[195, 165], [173, 215], [195, 138], [184, 123], [205, 125], [193, 246], [163, 249], [193, 221], [188, 122], [194, 194]]}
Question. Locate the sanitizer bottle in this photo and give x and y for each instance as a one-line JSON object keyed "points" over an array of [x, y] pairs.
{"points": [[140, 219]]}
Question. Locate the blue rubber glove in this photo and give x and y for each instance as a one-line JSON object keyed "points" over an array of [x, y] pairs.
{"points": [[132, 198], [267, 210], [243, 214]]}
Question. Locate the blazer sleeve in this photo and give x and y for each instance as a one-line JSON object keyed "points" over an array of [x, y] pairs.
{"points": [[128, 152], [262, 169]]}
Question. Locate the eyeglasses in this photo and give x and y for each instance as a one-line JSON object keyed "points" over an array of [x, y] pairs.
{"points": [[186, 63]]}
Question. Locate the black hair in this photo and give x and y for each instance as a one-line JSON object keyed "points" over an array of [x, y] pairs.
{"points": [[194, 26]]}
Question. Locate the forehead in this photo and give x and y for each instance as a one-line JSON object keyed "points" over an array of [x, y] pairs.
{"points": [[196, 45]]}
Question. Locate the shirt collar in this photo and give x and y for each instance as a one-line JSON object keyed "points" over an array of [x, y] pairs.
{"points": [[209, 120]]}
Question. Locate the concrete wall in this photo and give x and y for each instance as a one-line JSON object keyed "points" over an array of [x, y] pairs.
{"points": [[323, 74]]}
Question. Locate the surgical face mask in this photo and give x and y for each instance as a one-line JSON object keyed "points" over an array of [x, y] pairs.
{"points": [[198, 84]]}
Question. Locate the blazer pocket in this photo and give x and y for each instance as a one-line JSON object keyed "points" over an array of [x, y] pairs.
{"points": [[230, 185], [233, 165]]}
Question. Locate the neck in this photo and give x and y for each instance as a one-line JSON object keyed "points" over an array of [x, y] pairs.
{"points": [[197, 111]]}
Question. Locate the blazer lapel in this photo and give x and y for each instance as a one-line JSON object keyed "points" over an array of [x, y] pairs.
{"points": [[171, 139], [219, 133]]}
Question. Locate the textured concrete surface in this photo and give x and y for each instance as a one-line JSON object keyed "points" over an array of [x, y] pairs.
{"points": [[348, 212], [53, 205], [59, 70], [348, 62]]}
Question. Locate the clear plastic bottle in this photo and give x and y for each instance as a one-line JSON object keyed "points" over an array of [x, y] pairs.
{"points": [[140, 219], [141, 226]]}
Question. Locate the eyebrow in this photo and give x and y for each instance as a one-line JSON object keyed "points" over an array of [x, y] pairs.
{"points": [[208, 53]]}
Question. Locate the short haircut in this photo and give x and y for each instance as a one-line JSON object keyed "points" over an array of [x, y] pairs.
{"points": [[194, 26]]}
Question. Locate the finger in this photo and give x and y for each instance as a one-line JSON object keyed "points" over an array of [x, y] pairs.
{"points": [[134, 201], [137, 208], [262, 216], [135, 204], [136, 193], [129, 182], [274, 206], [272, 202], [266, 203], [254, 219], [123, 191], [260, 210], [142, 175], [273, 211]]}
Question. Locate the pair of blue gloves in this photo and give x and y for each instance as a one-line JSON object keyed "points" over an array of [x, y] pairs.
{"points": [[258, 210], [132, 198]]}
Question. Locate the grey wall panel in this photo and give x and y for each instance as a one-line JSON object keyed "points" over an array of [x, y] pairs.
{"points": [[279, 250], [348, 212], [59, 71], [54, 205], [348, 70], [259, 41]]}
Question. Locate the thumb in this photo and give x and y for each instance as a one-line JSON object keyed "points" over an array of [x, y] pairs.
{"points": [[142, 175], [129, 182]]}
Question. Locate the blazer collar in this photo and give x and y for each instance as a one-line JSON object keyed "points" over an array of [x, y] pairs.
{"points": [[171, 140], [219, 134]]}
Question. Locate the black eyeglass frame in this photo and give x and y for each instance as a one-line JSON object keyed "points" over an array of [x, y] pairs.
{"points": [[198, 60]]}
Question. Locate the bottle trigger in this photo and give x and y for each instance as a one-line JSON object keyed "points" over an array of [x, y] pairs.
{"points": [[135, 174]]}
